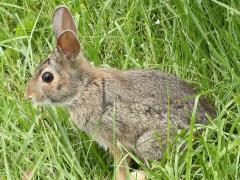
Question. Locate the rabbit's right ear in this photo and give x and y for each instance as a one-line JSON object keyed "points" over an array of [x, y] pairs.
{"points": [[62, 21]]}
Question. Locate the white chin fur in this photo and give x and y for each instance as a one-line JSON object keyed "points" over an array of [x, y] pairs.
{"points": [[35, 102], [66, 102]]}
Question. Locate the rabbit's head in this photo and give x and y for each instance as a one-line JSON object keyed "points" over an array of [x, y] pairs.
{"points": [[65, 72]]}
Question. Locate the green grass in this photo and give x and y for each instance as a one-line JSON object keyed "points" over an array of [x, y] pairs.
{"points": [[192, 39]]}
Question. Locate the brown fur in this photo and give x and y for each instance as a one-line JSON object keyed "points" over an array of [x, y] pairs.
{"points": [[131, 107]]}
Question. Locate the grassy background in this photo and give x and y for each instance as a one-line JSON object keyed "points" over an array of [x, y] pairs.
{"points": [[196, 40]]}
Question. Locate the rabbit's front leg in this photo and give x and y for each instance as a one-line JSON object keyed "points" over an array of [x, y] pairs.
{"points": [[122, 167], [121, 164]]}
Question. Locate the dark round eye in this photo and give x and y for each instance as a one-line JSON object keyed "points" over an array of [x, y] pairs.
{"points": [[47, 77]]}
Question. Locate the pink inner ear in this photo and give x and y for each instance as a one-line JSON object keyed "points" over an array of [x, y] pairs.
{"points": [[69, 44]]}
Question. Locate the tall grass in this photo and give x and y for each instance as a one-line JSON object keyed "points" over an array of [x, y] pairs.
{"points": [[193, 39]]}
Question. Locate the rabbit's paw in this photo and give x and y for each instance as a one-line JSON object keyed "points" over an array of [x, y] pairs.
{"points": [[138, 175]]}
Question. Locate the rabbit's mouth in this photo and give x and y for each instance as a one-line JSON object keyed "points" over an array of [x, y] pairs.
{"points": [[36, 98], [40, 100]]}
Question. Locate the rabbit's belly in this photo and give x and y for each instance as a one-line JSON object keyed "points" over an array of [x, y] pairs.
{"points": [[100, 141], [148, 146]]}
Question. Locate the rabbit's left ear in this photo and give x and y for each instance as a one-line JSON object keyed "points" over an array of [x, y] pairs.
{"points": [[68, 44], [62, 21]]}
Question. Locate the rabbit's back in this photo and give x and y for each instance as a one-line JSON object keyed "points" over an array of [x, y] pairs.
{"points": [[154, 94]]}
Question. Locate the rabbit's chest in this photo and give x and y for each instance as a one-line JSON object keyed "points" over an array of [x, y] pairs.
{"points": [[88, 122]]}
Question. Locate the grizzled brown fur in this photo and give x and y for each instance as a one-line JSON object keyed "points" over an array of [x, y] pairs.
{"points": [[134, 105]]}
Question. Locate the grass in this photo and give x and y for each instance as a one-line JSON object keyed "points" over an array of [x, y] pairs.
{"points": [[195, 40]]}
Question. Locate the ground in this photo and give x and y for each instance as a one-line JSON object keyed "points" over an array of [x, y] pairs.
{"points": [[195, 40]]}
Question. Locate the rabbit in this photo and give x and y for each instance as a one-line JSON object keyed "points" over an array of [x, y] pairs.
{"points": [[133, 108]]}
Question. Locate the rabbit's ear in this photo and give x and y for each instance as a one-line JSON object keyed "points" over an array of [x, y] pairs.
{"points": [[68, 44], [62, 21]]}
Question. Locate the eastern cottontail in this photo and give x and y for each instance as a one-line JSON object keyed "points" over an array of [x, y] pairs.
{"points": [[134, 107]]}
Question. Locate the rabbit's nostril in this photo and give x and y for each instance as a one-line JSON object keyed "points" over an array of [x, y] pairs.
{"points": [[29, 97]]}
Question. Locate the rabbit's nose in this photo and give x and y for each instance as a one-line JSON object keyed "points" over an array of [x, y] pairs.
{"points": [[28, 94]]}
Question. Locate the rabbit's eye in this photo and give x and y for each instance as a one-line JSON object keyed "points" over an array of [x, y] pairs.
{"points": [[47, 77]]}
